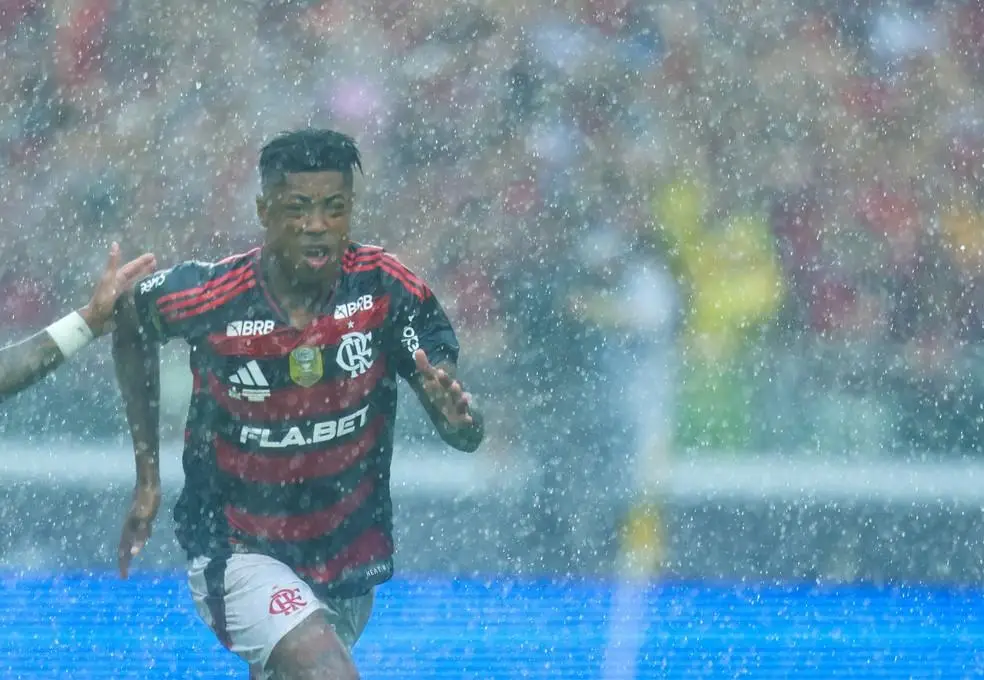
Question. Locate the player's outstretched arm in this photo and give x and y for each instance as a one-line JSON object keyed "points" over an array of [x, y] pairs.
{"points": [[138, 373], [24, 363], [449, 407]]}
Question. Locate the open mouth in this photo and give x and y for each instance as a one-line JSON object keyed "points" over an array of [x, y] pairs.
{"points": [[316, 256]]}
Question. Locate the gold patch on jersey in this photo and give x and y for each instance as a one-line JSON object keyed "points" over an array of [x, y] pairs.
{"points": [[306, 365]]}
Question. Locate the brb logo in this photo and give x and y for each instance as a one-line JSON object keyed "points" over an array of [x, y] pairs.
{"points": [[286, 601], [243, 328], [355, 353], [363, 304]]}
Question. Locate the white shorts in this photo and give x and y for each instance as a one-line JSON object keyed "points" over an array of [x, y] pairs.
{"points": [[252, 601]]}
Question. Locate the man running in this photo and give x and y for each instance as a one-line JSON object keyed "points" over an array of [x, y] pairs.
{"points": [[285, 514], [24, 363]]}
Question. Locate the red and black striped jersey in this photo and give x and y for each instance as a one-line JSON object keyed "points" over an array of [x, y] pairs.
{"points": [[290, 432]]}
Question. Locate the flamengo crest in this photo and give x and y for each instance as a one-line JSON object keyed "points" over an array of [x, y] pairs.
{"points": [[355, 353]]}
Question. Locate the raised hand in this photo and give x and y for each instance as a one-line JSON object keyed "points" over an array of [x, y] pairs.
{"points": [[114, 281]]}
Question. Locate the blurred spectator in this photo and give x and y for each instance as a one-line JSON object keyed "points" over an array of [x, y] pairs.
{"points": [[810, 171], [631, 300]]}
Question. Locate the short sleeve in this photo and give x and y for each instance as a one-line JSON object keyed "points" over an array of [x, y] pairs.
{"points": [[419, 322], [166, 301]]}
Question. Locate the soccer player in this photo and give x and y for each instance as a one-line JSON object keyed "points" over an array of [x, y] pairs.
{"points": [[26, 362], [285, 515]]}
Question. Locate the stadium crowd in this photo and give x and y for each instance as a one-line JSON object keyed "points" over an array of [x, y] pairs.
{"points": [[767, 212]]}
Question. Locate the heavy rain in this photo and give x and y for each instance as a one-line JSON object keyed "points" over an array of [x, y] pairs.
{"points": [[715, 269]]}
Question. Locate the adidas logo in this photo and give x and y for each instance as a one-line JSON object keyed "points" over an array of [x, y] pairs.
{"points": [[249, 382]]}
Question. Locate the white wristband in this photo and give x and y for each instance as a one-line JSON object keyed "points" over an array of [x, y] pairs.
{"points": [[71, 333]]}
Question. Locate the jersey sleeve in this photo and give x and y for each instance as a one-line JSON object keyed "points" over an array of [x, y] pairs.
{"points": [[419, 322], [164, 299]]}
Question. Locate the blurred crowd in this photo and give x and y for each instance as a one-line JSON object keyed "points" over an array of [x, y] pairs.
{"points": [[752, 225]]}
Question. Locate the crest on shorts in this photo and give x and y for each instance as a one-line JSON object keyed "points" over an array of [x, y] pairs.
{"points": [[306, 365], [286, 601]]}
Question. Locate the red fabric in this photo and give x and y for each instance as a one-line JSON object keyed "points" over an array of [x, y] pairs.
{"points": [[82, 41], [301, 527], [887, 211]]}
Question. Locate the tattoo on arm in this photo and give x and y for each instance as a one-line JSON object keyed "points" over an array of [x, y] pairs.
{"points": [[26, 362]]}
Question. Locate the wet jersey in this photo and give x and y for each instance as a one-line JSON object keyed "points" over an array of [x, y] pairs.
{"points": [[290, 432]]}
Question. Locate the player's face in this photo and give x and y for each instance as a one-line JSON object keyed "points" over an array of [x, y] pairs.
{"points": [[306, 218]]}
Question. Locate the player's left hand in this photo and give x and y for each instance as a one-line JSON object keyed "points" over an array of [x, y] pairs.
{"points": [[444, 392]]}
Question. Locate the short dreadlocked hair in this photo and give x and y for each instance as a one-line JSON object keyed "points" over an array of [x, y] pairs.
{"points": [[308, 150]]}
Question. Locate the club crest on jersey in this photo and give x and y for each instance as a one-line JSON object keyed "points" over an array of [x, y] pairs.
{"points": [[306, 366], [355, 353]]}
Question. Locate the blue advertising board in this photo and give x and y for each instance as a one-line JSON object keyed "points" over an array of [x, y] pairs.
{"points": [[88, 626]]}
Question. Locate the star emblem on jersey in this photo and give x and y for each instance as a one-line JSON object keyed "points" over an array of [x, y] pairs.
{"points": [[355, 353], [306, 365], [249, 383]]}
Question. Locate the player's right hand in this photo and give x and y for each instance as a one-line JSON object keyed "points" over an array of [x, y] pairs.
{"points": [[137, 525], [115, 280]]}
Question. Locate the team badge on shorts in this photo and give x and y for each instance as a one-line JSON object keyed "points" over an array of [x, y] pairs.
{"points": [[306, 365]]}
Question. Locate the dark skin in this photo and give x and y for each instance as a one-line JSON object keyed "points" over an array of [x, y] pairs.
{"points": [[311, 651], [307, 219], [24, 363]]}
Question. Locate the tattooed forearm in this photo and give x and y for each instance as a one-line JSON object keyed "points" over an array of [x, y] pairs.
{"points": [[26, 362]]}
